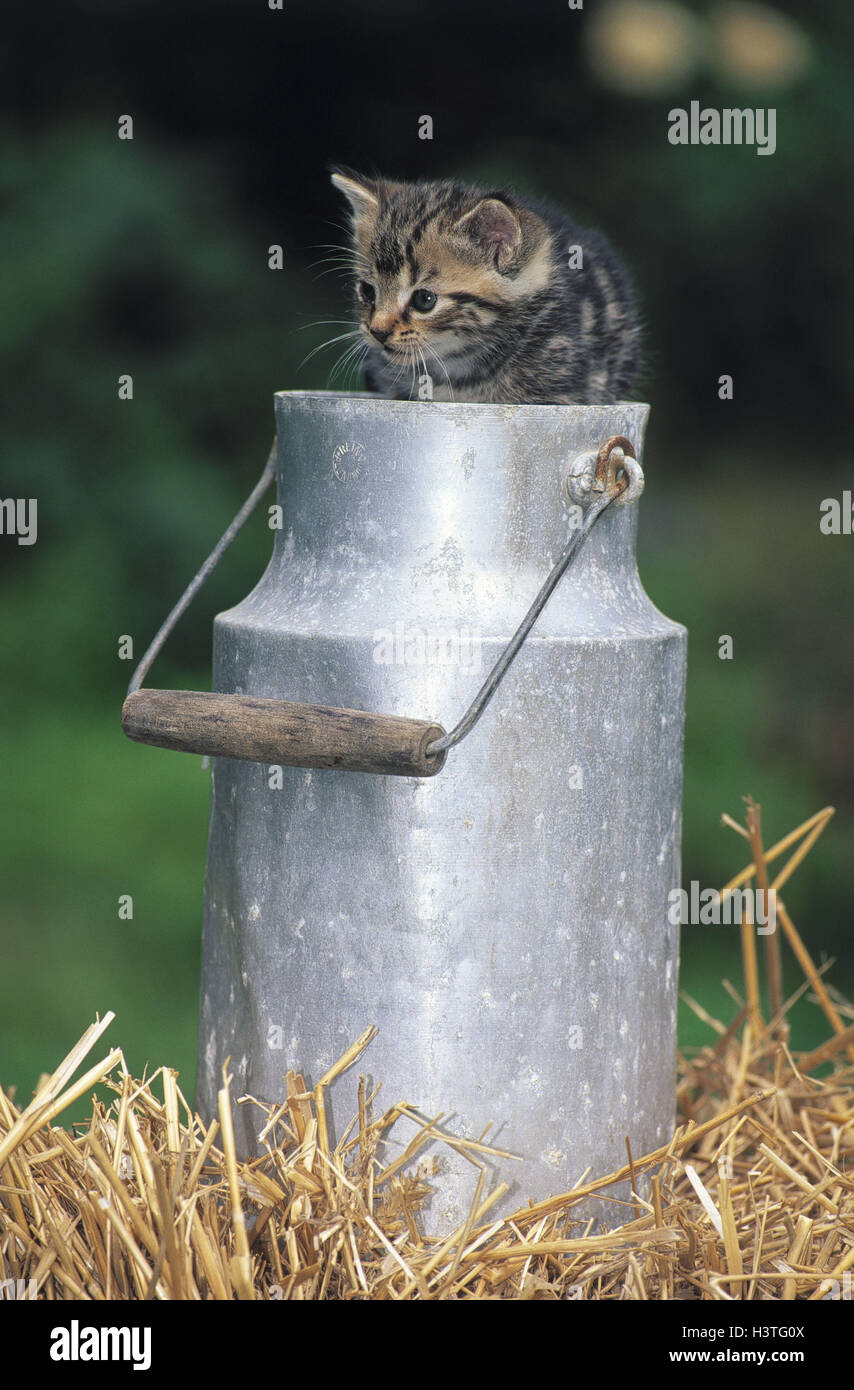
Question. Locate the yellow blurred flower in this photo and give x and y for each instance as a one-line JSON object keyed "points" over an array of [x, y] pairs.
{"points": [[757, 46], [643, 46]]}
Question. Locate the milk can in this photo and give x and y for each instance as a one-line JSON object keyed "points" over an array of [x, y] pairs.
{"points": [[503, 922]]}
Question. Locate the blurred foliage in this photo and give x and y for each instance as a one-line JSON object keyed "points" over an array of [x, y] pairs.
{"points": [[150, 258]]}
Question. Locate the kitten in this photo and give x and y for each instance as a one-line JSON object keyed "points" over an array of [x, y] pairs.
{"points": [[491, 297]]}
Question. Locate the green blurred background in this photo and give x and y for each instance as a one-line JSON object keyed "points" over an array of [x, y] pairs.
{"points": [[150, 258]]}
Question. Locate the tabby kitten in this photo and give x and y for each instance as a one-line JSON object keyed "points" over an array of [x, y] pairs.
{"points": [[490, 297]]}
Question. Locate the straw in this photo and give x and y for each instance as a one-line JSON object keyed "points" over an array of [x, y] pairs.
{"points": [[751, 1198]]}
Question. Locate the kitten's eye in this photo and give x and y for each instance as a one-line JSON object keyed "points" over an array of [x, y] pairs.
{"points": [[367, 292], [423, 301]]}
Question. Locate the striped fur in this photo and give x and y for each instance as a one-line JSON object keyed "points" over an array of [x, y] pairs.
{"points": [[512, 320]]}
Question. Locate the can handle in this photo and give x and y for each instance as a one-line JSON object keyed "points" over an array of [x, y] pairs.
{"points": [[304, 735], [279, 732]]}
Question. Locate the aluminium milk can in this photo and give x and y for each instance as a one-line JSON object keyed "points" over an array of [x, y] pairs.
{"points": [[503, 923]]}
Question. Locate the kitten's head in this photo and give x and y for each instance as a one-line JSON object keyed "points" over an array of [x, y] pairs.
{"points": [[435, 265]]}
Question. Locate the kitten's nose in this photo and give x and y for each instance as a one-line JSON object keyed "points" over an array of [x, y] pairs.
{"points": [[381, 334]]}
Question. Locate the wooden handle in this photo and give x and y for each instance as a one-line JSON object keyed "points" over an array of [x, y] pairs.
{"points": [[273, 731]]}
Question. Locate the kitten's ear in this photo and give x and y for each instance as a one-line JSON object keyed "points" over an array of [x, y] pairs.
{"points": [[362, 194], [495, 228]]}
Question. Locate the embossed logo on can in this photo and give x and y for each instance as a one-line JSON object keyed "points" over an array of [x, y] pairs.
{"points": [[348, 461]]}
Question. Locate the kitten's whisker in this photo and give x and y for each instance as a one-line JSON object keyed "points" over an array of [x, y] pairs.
{"points": [[412, 365], [352, 351], [342, 271], [358, 366], [410, 368], [349, 261], [316, 323], [355, 261], [435, 354], [335, 268], [418, 365], [339, 226], [329, 343], [338, 366], [349, 361], [350, 258]]}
